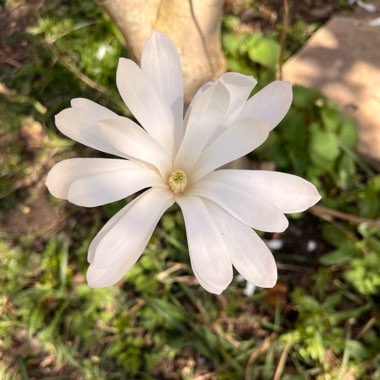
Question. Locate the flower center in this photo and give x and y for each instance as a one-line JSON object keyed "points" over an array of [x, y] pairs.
{"points": [[178, 181]]}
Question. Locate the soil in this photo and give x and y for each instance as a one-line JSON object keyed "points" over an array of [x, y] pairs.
{"points": [[15, 42], [266, 15]]}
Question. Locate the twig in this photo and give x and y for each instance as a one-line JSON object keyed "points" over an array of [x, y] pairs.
{"points": [[206, 376], [49, 43], [262, 349], [346, 353], [284, 30], [71, 68], [216, 328], [281, 363], [365, 328], [294, 268], [328, 212]]}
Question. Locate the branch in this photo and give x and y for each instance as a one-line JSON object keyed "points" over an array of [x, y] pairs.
{"points": [[324, 211]]}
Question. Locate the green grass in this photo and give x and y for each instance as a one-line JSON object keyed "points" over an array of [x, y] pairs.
{"points": [[320, 322]]}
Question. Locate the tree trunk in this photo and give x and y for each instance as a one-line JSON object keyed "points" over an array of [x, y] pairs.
{"points": [[193, 25]]}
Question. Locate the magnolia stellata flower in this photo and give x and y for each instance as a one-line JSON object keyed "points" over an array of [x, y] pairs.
{"points": [[174, 159]]}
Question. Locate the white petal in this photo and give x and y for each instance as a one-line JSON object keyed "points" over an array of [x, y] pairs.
{"points": [[132, 140], [208, 253], [103, 188], [108, 227], [162, 66], [206, 114], [144, 103], [270, 104], [95, 110], [63, 174], [200, 91], [82, 124], [249, 254], [130, 235], [236, 141], [253, 211], [286, 191], [100, 277], [239, 87]]}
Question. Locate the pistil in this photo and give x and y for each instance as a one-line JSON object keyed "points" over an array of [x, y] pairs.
{"points": [[177, 181]]}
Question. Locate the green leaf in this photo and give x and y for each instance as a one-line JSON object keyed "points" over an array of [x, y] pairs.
{"points": [[330, 118], [305, 98], [324, 147], [295, 132], [348, 134], [264, 50], [333, 235], [339, 256], [368, 202], [357, 350], [231, 44], [346, 172]]}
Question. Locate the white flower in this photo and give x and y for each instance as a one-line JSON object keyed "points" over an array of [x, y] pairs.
{"points": [[175, 160]]}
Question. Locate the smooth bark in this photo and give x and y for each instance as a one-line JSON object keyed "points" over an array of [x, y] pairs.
{"points": [[193, 25]]}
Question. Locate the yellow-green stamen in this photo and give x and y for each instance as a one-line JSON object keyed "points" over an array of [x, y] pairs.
{"points": [[178, 181]]}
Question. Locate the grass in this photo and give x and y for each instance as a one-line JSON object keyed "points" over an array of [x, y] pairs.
{"points": [[319, 322]]}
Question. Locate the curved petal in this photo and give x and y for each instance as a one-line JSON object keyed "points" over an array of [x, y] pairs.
{"points": [[239, 87], [130, 235], [96, 110], [208, 253], [81, 123], [270, 104], [103, 188], [286, 191], [205, 117], [64, 173], [162, 66], [249, 254], [132, 140], [236, 141], [98, 277], [108, 227], [200, 91], [249, 209], [144, 103]]}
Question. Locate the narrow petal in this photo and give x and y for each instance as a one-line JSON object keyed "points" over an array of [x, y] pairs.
{"points": [[249, 254], [208, 253], [108, 227], [286, 191], [130, 235], [161, 63], [251, 210], [81, 123], [270, 104], [103, 188], [100, 277], [144, 103], [206, 114], [129, 138], [200, 91], [235, 142], [239, 87], [63, 174], [95, 110]]}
